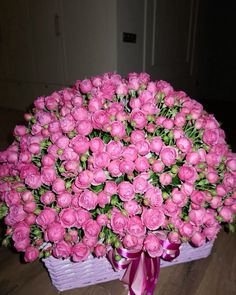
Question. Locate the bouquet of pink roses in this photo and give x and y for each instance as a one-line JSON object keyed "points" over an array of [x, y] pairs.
{"points": [[112, 163]]}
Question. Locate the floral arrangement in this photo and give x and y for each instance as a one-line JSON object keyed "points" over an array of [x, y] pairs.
{"points": [[110, 163]]}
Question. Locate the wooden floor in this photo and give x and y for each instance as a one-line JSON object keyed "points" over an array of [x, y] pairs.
{"points": [[215, 275]]}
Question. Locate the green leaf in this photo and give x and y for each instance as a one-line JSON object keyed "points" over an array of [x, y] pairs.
{"points": [[97, 188]]}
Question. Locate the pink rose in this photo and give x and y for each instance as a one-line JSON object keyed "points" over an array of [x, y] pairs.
{"points": [[153, 246], [80, 252], [82, 216], [168, 156], [58, 186], [30, 219], [198, 197], [130, 241], [158, 166], [165, 179], [174, 237], [31, 254], [126, 191], [132, 207], [47, 198], [211, 232], [130, 153], [198, 239], [141, 164], [156, 144], [68, 217], [118, 222], [187, 173], [140, 184], [80, 144], [46, 217], [138, 119], [126, 167], [22, 245], [55, 232], [186, 230], [135, 226], [101, 160], [100, 250], [16, 214], [62, 249], [20, 232], [178, 197], [153, 218], [102, 219], [114, 149], [184, 144], [33, 181], [142, 147], [84, 127], [226, 213], [136, 136], [117, 129], [88, 200], [153, 197], [103, 199], [114, 168], [192, 158], [197, 216], [30, 207], [64, 200], [211, 137], [84, 179], [110, 188], [96, 145], [48, 175]]}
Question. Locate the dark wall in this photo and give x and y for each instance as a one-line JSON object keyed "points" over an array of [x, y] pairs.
{"points": [[216, 54]]}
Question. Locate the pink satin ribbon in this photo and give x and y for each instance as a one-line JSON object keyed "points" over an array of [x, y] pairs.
{"points": [[142, 271]]}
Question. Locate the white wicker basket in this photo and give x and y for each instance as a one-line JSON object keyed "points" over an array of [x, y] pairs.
{"points": [[66, 274]]}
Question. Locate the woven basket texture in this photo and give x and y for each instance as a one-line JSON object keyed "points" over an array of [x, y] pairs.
{"points": [[66, 274]]}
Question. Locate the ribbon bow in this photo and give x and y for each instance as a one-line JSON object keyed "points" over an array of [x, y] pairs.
{"points": [[142, 270]]}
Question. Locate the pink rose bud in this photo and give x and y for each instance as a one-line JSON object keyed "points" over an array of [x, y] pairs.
{"points": [[165, 179], [100, 250], [158, 166], [198, 239], [226, 213], [31, 254]]}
